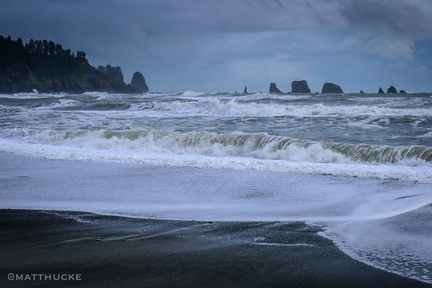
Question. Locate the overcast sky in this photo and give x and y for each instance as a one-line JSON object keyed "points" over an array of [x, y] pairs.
{"points": [[224, 45]]}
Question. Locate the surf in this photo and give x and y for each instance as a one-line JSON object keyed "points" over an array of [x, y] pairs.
{"points": [[238, 151], [249, 145]]}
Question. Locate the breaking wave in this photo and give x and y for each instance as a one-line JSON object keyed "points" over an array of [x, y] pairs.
{"points": [[258, 146], [190, 104], [230, 107]]}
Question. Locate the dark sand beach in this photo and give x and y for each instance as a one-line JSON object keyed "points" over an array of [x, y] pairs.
{"points": [[106, 251]]}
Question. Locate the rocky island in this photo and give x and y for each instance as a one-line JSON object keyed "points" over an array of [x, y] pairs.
{"points": [[273, 89], [138, 82], [300, 87], [331, 88], [391, 90], [49, 68]]}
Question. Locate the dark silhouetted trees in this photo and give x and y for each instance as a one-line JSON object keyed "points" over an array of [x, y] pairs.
{"points": [[40, 56], [48, 67], [110, 71]]}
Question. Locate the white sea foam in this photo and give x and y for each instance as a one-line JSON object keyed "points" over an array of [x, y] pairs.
{"points": [[399, 245], [284, 244], [9, 109], [62, 103], [32, 95], [96, 94], [242, 195], [191, 93], [257, 146], [203, 149], [216, 106], [426, 135], [358, 220]]}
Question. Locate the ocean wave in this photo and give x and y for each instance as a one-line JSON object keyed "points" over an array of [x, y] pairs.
{"points": [[191, 93], [257, 146], [96, 94], [193, 103], [33, 95], [236, 151], [231, 107], [70, 104], [62, 103], [11, 109]]}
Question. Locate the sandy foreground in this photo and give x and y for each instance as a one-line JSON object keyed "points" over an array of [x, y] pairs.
{"points": [[78, 249]]}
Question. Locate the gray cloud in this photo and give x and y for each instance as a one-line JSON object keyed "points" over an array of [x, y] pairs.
{"points": [[388, 28], [393, 18], [179, 42]]}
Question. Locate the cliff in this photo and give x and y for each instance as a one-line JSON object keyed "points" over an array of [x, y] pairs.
{"points": [[48, 68]]}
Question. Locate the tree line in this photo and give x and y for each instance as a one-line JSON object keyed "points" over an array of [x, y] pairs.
{"points": [[111, 71], [39, 56], [47, 58]]}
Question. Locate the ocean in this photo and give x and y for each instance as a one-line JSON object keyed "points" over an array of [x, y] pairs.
{"points": [[357, 165]]}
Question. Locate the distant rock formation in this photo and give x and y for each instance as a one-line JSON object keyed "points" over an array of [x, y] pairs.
{"points": [[392, 90], [47, 67], [402, 92], [245, 90], [380, 91], [138, 82], [331, 88], [274, 89], [300, 87], [361, 92]]}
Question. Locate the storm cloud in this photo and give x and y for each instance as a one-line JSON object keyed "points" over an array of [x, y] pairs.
{"points": [[224, 45]]}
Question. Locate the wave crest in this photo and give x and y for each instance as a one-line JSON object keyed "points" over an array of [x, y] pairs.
{"points": [[258, 146], [230, 107]]}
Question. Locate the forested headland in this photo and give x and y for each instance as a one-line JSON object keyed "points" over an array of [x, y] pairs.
{"points": [[49, 68]]}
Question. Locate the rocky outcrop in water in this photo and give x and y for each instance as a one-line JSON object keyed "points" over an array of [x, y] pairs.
{"points": [[245, 90], [331, 88], [139, 83], [380, 91], [300, 87], [274, 89], [392, 90]]}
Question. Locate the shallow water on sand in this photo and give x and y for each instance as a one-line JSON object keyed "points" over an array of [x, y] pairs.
{"points": [[350, 215]]}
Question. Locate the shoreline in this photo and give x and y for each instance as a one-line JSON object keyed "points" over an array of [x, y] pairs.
{"points": [[135, 252]]}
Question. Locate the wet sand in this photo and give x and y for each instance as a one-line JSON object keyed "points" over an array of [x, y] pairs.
{"points": [[107, 251]]}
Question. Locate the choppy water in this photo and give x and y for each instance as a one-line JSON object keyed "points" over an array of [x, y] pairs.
{"points": [[350, 162]]}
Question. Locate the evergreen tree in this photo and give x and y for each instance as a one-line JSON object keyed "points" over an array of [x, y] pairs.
{"points": [[51, 48], [81, 55]]}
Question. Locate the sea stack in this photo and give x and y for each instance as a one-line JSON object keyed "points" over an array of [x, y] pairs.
{"points": [[274, 89], [331, 88], [392, 90], [300, 87], [245, 90], [139, 83], [380, 91]]}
